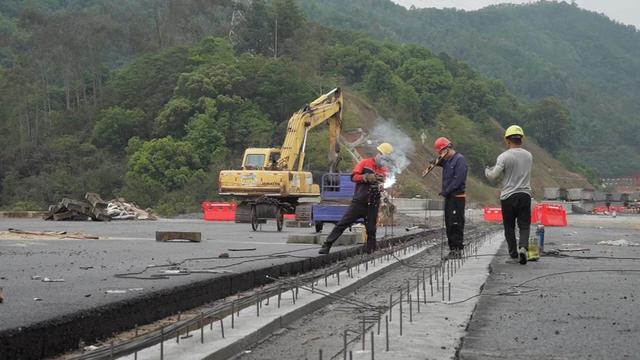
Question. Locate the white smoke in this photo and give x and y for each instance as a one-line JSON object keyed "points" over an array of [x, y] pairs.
{"points": [[386, 131]]}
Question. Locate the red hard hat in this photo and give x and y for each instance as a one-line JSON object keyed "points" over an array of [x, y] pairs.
{"points": [[441, 143]]}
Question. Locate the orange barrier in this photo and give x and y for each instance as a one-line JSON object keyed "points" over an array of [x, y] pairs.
{"points": [[549, 215], [492, 214], [219, 211]]}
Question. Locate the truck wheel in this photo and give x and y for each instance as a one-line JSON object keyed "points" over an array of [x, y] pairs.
{"points": [[319, 226]]}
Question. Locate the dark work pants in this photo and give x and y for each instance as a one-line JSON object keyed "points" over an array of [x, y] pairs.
{"points": [[454, 221], [516, 209], [356, 211]]}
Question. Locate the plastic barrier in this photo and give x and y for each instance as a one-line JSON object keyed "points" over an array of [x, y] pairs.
{"points": [[600, 210], [219, 211], [549, 215], [289, 216], [492, 214]]}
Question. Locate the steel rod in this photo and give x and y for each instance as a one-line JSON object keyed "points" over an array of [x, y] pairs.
{"points": [[386, 326]]}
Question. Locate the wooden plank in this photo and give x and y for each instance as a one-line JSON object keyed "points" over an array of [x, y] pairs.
{"points": [[65, 215]]}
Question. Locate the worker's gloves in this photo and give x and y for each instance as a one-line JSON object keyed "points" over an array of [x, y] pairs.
{"points": [[370, 178], [373, 178]]}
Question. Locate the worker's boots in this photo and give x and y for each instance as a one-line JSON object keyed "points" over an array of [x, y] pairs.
{"points": [[324, 249], [454, 254]]}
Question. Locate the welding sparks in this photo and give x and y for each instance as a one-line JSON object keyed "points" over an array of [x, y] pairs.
{"points": [[389, 181], [386, 131]]}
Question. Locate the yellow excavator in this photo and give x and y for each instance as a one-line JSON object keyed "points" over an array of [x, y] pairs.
{"points": [[272, 181]]}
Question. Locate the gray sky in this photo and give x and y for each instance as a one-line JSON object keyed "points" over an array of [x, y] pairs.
{"points": [[624, 11]]}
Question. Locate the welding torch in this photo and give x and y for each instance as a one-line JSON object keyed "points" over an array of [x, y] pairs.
{"points": [[432, 165]]}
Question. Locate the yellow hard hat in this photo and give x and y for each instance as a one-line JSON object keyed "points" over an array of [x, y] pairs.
{"points": [[385, 148], [514, 130]]}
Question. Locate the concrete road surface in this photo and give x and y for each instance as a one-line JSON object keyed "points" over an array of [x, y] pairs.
{"points": [[88, 267], [570, 308]]}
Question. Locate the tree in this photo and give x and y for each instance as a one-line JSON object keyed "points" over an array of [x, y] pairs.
{"points": [[116, 126], [203, 133], [255, 34], [550, 123], [171, 121], [287, 18], [161, 165], [379, 81]]}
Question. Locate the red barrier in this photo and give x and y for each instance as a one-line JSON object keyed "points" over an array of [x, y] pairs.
{"points": [[549, 215], [492, 214], [600, 210], [219, 211], [289, 216]]}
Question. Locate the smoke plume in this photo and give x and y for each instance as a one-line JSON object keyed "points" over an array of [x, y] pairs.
{"points": [[386, 131]]}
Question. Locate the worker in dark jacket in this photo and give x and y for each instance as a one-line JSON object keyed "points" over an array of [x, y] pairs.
{"points": [[369, 174], [454, 178]]}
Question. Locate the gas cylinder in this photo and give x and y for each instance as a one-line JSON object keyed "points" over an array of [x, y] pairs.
{"points": [[540, 236]]}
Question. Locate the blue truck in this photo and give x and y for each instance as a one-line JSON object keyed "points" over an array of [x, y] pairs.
{"points": [[335, 196]]}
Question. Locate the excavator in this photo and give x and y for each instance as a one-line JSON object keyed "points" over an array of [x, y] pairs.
{"points": [[272, 181]]}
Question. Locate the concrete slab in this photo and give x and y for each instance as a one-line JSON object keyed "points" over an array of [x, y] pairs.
{"points": [[302, 239]]}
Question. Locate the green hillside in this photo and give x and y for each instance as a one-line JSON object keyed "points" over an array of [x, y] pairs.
{"points": [[149, 100], [540, 50]]}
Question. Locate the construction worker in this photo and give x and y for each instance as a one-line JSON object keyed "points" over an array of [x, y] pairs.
{"points": [[369, 175], [454, 178], [515, 166]]}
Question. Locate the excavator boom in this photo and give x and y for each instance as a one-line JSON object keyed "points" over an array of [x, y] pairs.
{"points": [[326, 108], [277, 173]]}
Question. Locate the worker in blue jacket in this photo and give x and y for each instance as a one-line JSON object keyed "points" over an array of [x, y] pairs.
{"points": [[454, 178]]}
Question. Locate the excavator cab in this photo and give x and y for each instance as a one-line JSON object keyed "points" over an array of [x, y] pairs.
{"points": [[260, 159]]}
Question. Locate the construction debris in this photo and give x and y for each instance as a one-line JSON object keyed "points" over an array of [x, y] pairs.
{"points": [[96, 209], [621, 242]]}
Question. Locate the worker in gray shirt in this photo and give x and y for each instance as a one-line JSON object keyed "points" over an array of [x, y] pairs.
{"points": [[515, 197]]}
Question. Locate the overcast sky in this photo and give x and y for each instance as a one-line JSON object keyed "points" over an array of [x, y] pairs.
{"points": [[624, 11]]}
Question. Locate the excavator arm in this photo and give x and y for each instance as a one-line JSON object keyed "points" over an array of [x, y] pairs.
{"points": [[326, 108]]}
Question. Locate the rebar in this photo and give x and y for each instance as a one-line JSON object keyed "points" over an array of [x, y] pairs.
{"points": [[386, 327], [411, 309], [344, 338], [418, 291], [401, 313], [443, 287], [363, 332], [372, 348], [162, 343], [201, 328]]}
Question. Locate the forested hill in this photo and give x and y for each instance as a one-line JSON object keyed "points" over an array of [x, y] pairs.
{"points": [[539, 50], [150, 99]]}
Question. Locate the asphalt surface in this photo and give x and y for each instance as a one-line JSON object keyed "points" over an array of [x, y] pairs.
{"points": [[88, 267], [593, 314]]}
